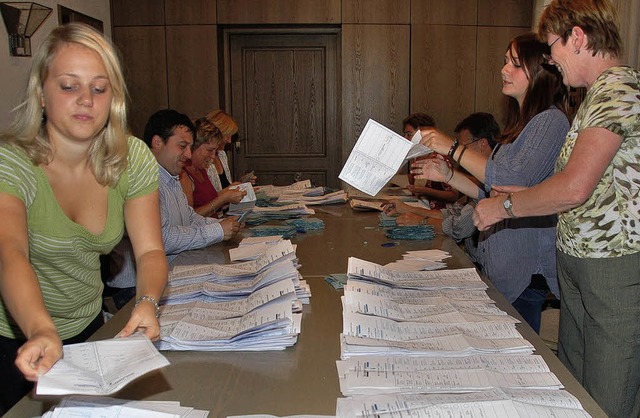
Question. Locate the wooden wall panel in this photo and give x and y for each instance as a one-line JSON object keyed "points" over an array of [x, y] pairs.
{"points": [[190, 12], [505, 13], [138, 12], [278, 11], [442, 12], [375, 78], [443, 72], [376, 11], [192, 69], [492, 44], [144, 59]]}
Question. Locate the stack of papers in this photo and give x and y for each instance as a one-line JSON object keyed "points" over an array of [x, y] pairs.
{"points": [[109, 407], [269, 192], [414, 232], [250, 305], [368, 375], [420, 260], [284, 231], [374, 205], [306, 224], [100, 367], [260, 215], [498, 403], [307, 198], [432, 343]]}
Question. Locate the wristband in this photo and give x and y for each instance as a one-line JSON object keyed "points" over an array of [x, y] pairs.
{"points": [[148, 299], [453, 148]]}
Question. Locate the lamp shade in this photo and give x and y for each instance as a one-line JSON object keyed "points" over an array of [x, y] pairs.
{"points": [[22, 19]]}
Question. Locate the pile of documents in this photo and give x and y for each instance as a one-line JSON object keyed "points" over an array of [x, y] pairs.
{"points": [[271, 192], [306, 224], [420, 260], [262, 214], [316, 196], [109, 407], [250, 305], [413, 232], [432, 343]]}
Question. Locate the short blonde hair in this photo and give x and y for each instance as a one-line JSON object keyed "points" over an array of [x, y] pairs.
{"points": [[108, 151], [206, 132], [223, 121]]}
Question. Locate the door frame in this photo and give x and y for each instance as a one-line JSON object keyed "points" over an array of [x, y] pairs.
{"points": [[225, 76]]}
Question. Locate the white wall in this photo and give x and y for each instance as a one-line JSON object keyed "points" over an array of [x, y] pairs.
{"points": [[14, 70]]}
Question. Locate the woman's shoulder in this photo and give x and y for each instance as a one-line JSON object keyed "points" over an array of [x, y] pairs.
{"points": [[15, 158], [551, 117]]}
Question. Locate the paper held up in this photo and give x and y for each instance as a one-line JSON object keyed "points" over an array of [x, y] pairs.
{"points": [[377, 156]]}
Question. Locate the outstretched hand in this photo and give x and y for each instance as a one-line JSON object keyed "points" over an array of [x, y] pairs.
{"points": [[39, 354]]}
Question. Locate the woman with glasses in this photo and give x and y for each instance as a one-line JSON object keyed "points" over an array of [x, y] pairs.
{"points": [[518, 255], [596, 191]]}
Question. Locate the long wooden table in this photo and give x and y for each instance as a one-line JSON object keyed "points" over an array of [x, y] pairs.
{"points": [[301, 379]]}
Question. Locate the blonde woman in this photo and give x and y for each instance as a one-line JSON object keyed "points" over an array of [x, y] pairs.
{"points": [[70, 179], [219, 172]]}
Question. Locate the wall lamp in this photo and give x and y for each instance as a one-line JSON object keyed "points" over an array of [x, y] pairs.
{"points": [[22, 19]]}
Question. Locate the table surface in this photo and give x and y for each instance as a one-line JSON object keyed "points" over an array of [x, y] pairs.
{"points": [[301, 379]]}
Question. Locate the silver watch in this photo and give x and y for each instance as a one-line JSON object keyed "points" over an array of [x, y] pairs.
{"points": [[508, 205]]}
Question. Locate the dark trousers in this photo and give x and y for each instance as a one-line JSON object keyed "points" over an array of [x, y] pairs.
{"points": [[13, 385], [530, 302]]}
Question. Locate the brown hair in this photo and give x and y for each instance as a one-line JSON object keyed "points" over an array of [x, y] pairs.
{"points": [[597, 18], [544, 90]]}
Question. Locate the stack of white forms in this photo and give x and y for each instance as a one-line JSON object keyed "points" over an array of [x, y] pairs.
{"points": [[253, 305], [432, 343], [116, 408]]}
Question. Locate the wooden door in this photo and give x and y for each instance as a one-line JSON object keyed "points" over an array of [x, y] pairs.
{"points": [[284, 96]]}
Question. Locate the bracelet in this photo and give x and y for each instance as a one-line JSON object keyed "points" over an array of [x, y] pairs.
{"points": [[148, 299], [464, 148], [450, 176], [453, 148]]}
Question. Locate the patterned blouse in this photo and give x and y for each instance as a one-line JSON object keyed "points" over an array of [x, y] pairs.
{"points": [[608, 223]]}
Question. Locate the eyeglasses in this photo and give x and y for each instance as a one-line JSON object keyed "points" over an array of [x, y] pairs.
{"points": [[547, 57]]}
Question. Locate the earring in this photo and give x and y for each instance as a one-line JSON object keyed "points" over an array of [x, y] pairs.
{"points": [[44, 116]]}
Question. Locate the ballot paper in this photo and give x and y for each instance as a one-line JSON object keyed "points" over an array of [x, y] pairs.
{"points": [[100, 367], [246, 204], [377, 156], [467, 278], [497, 403], [415, 296], [381, 374], [94, 407]]}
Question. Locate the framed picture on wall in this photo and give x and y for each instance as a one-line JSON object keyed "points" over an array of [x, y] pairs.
{"points": [[66, 15]]}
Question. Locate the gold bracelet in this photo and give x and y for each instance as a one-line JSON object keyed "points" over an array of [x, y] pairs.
{"points": [[148, 299]]}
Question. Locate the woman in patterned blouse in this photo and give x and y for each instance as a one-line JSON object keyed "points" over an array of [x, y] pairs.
{"points": [[595, 191]]}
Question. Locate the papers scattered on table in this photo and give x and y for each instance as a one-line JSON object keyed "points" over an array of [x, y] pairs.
{"points": [[101, 367], [76, 407], [377, 156]]}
